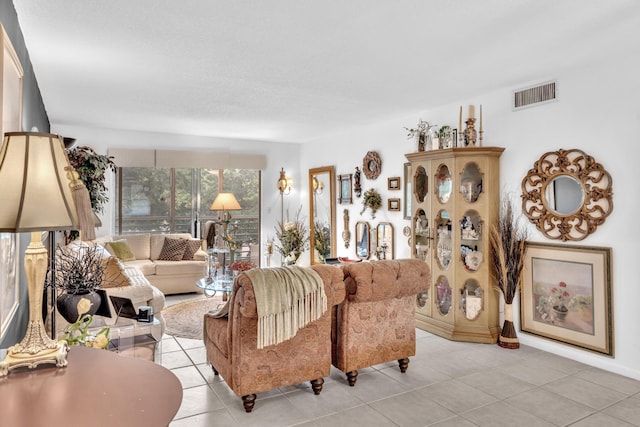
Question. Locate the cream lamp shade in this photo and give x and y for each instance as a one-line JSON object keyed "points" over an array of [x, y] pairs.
{"points": [[225, 202], [38, 193], [35, 190]]}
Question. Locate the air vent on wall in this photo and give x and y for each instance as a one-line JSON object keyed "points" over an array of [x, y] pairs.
{"points": [[535, 95]]}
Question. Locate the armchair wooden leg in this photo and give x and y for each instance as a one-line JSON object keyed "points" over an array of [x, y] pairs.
{"points": [[248, 401], [352, 376], [316, 385], [404, 364]]}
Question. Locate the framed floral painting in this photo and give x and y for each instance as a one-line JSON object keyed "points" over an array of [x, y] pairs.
{"points": [[566, 295]]}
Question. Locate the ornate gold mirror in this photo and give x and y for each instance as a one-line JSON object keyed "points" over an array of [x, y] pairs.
{"points": [[567, 194], [363, 248], [322, 214]]}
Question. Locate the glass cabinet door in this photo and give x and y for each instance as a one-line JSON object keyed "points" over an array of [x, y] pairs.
{"points": [[443, 239], [471, 240], [443, 295], [420, 184], [470, 182], [443, 183], [422, 235], [471, 299]]}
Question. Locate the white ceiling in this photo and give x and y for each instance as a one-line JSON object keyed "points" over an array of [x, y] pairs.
{"points": [[292, 70]]}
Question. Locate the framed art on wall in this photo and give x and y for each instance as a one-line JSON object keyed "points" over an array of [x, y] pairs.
{"points": [[566, 295], [393, 183], [344, 189], [393, 205]]}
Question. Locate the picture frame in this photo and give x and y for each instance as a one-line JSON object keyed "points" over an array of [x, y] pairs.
{"points": [[344, 189], [407, 191], [566, 295], [393, 205], [393, 183]]}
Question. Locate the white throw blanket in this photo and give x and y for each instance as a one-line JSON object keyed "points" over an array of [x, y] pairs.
{"points": [[287, 299]]}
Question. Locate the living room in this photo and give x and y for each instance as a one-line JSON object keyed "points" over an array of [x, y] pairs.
{"points": [[596, 112]]}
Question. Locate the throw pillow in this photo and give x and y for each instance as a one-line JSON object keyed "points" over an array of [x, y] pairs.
{"points": [[192, 247], [172, 249], [114, 274], [121, 250]]}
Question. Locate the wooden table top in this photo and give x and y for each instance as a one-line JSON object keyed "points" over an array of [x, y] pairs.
{"points": [[97, 388]]}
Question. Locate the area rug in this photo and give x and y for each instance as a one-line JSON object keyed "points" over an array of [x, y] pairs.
{"points": [[185, 319]]}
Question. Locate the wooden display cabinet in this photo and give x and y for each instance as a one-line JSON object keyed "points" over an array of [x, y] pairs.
{"points": [[455, 199]]}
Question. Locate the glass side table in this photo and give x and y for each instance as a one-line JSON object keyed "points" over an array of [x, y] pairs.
{"points": [[129, 337], [211, 287]]}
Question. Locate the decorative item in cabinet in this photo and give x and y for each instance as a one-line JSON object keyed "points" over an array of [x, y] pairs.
{"points": [[449, 220]]}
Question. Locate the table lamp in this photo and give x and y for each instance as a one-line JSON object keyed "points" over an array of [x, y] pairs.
{"points": [[38, 194], [226, 202]]}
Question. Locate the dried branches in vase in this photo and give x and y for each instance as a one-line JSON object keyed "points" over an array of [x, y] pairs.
{"points": [[508, 239]]}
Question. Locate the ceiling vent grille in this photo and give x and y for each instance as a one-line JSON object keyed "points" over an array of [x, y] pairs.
{"points": [[535, 95]]}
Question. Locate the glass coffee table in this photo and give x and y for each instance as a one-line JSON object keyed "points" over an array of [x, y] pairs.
{"points": [[129, 337], [211, 287]]}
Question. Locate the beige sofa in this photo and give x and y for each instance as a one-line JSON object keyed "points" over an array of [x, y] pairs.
{"points": [[170, 277]]}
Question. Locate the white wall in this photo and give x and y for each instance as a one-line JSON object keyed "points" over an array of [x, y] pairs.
{"points": [[597, 112]]}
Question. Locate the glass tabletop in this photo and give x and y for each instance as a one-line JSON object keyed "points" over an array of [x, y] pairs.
{"points": [[222, 284]]}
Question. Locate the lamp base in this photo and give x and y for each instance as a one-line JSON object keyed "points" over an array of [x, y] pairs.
{"points": [[57, 355]]}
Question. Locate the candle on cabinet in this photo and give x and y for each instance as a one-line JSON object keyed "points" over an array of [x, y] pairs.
{"points": [[460, 121], [472, 112], [480, 117]]}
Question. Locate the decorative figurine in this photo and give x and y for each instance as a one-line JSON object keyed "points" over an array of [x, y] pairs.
{"points": [[470, 135], [357, 188]]}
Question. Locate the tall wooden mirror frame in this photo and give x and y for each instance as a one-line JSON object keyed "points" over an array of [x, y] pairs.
{"points": [[322, 207], [541, 195]]}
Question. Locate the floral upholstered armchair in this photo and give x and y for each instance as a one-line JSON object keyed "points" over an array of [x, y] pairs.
{"points": [[375, 323], [247, 365]]}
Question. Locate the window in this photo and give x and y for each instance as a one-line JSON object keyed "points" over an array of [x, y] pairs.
{"points": [[157, 200]]}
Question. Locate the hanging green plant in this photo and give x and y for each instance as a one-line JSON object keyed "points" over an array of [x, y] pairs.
{"points": [[371, 200], [92, 168]]}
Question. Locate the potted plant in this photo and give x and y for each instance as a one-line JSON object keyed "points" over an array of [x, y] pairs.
{"points": [[294, 239], [79, 272], [91, 168], [371, 200]]}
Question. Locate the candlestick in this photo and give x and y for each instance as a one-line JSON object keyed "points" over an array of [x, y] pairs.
{"points": [[460, 123]]}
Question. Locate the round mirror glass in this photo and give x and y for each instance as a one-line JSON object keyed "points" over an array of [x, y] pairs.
{"points": [[443, 183], [443, 295], [420, 184], [470, 182], [362, 240], [564, 195]]}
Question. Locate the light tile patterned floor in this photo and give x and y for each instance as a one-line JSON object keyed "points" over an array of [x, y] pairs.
{"points": [[447, 384]]}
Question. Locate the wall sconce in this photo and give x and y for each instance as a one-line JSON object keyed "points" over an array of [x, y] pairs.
{"points": [[318, 186], [283, 183]]}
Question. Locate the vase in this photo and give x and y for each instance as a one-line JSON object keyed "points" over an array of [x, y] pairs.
{"points": [[560, 312], [67, 304], [508, 337]]}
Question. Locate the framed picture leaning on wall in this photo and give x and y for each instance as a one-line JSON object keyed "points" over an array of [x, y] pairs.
{"points": [[566, 295]]}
